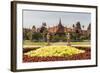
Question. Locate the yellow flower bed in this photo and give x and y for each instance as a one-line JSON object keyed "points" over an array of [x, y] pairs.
{"points": [[54, 51]]}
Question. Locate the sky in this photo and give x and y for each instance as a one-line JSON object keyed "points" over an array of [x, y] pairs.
{"points": [[33, 17]]}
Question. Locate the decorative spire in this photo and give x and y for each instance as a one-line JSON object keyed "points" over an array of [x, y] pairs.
{"points": [[60, 22]]}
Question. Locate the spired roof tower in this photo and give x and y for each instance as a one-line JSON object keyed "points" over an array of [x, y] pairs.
{"points": [[60, 27], [60, 24], [58, 30]]}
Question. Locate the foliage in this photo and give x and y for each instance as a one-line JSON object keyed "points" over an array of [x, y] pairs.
{"points": [[57, 38], [44, 31], [36, 36], [78, 25], [27, 35], [75, 37]]}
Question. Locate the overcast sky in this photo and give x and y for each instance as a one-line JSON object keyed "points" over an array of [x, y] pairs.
{"points": [[31, 17]]}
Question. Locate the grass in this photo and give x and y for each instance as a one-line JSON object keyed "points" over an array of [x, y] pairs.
{"points": [[80, 43], [28, 42]]}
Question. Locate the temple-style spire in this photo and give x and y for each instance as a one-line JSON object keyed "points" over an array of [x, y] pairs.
{"points": [[60, 22]]}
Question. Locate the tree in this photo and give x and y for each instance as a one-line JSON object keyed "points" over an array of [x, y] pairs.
{"points": [[89, 31], [37, 36], [89, 27], [73, 26], [43, 28], [27, 34], [74, 36], [44, 31], [83, 26], [33, 29], [78, 31], [78, 25]]}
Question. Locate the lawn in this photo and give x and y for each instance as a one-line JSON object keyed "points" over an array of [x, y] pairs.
{"points": [[28, 42], [80, 43]]}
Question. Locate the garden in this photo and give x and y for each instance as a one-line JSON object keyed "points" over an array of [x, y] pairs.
{"points": [[56, 51]]}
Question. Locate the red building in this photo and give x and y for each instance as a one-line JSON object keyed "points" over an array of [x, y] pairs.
{"points": [[59, 29]]}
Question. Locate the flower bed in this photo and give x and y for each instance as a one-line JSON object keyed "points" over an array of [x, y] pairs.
{"points": [[75, 54]]}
